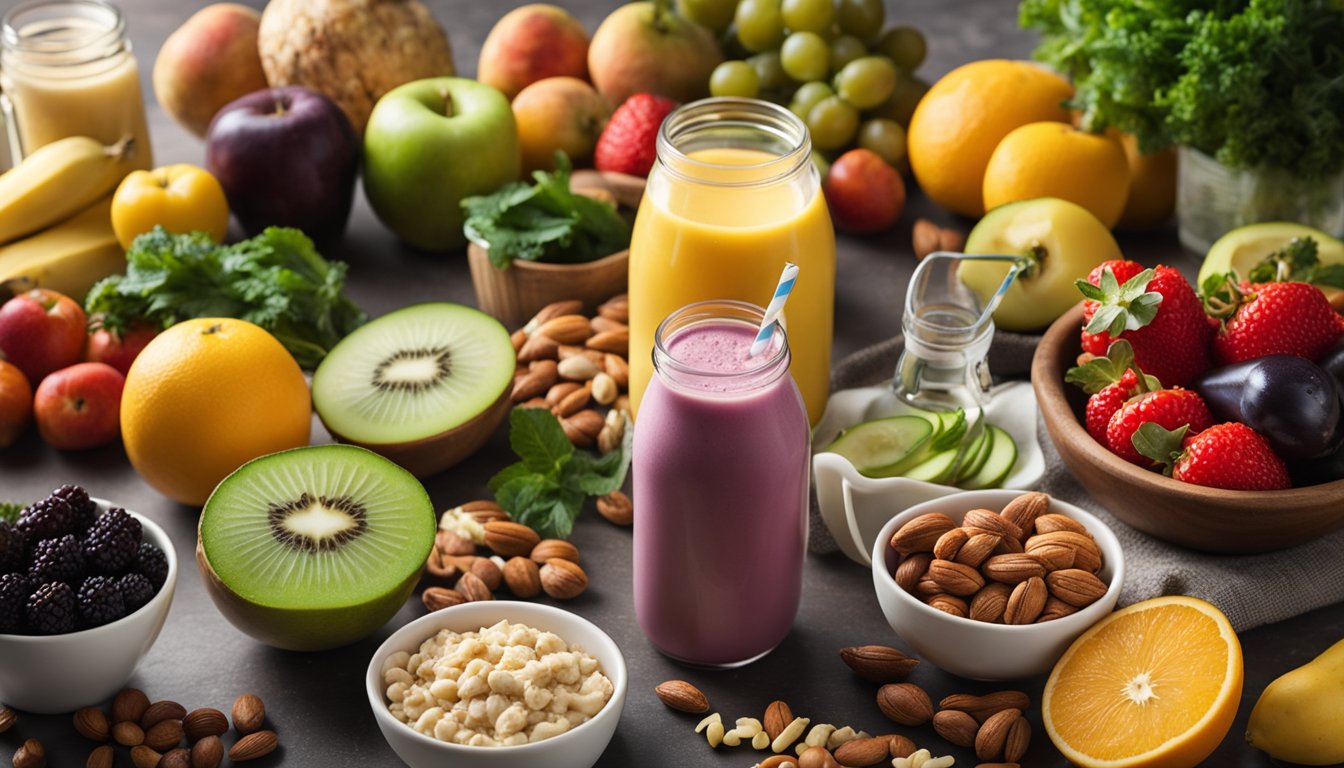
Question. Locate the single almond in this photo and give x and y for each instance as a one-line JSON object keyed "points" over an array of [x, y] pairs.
{"points": [[489, 573], [953, 240], [990, 603], [248, 713], [582, 428], [438, 598], [817, 757], [956, 727], [553, 310], [518, 338], [177, 757], [484, 510], [924, 237], [1056, 522], [577, 368], [160, 711], [993, 522], [534, 382], [101, 757], [549, 548], [600, 324], [128, 733], [905, 703], [164, 735], [1055, 609], [955, 578], [558, 392], [1055, 556], [1076, 587], [617, 308], [615, 341], [575, 401], [1019, 738], [878, 663], [911, 569], [900, 746], [204, 722], [927, 588], [566, 329], [1012, 569], [523, 577], [539, 346], [91, 723], [507, 538], [778, 716], [682, 696], [1086, 555], [207, 752], [253, 746], [993, 733], [7, 718], [982, 707], [1023, 510], [1009, 546], [921, 533], [605, 388], [562, 579], [607, 440], [951, 605], [144, 757], [30, 754], [1026, 602], [473, 589], [567, 351], [949, 544], [619, 370], [862, 751], [129, 705], [616, 508]]}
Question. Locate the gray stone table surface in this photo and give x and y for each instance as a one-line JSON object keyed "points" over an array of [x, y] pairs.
{"points": [[316, 700]]}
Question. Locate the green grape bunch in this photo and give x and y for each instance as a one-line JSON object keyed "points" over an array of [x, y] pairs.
{"points": [[834, 63]]}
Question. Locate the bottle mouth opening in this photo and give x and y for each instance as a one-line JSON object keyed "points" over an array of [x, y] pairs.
{"points": [[765, 367], [733, 123], [62, 34]]}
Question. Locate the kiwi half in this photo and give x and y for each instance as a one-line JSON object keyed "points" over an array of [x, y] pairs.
{"points": [[314, 547], [424, 386]]}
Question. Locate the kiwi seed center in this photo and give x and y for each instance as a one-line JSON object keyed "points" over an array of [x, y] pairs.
{"points": [[319, 524], [413, 370]]}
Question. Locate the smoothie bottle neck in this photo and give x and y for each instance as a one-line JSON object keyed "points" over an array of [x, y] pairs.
{"points": [[729, 371], [63, 39], [775, 140]]}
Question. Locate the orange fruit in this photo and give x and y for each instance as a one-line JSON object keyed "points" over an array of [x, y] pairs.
{"points": [[1152, 186], [1049, 159], [206, 396], [16, 402], [1153, 684], [965, 115]]}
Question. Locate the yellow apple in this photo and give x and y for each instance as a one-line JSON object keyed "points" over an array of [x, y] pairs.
{"points": [[1063, 241], [562, 113]]}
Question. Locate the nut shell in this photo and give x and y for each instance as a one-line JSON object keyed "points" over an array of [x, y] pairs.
{"points": [[248, 713]]}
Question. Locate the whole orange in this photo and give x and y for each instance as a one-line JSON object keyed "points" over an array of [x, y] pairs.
{"points": [[1049, 159], [204, 397], [964, 115], [16, 402], [1152, 186]]}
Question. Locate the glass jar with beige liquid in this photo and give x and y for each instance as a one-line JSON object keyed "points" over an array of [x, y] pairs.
{"points": [[67, 69]]}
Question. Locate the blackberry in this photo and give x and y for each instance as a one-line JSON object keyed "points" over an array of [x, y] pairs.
{"points": [[13, 549], [57, 560], [47, 519], [84, 509], [51, 609], [152, 563], [14, 591], [100, 601], [135, 591], [112, 542]]}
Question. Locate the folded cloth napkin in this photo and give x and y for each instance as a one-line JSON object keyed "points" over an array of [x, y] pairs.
{"points": [[1251, 589]]}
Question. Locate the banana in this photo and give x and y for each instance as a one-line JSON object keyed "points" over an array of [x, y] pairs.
{"points": [[69, 257], [57, 181]]}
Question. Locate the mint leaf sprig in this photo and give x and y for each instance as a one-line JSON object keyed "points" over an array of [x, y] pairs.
{"points": [[546, 489], [9, 511]]}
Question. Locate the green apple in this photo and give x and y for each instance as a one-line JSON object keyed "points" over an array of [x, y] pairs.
{"points": [[1244, 247], [429, 144], [1063, 241], [643, 47]]}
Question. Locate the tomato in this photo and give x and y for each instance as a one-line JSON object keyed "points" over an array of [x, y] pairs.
{"points": [[181, 198], [16, 402]]}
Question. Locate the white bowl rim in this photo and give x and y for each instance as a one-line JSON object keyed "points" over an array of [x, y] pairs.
{"points": [[441, 618], [169, 583], [1091, 521]]}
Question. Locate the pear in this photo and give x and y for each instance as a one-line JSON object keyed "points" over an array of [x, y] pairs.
{"points": [[1298, 716]]}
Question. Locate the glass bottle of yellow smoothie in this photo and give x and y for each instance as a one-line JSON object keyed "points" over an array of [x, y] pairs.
{"points": [[734, 195], [67, 69]]}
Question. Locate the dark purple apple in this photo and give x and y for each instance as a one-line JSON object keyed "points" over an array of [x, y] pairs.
{"points": [[286, 157]]}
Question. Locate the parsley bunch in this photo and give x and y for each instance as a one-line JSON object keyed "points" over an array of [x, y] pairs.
{"points": [[1252, 83]]}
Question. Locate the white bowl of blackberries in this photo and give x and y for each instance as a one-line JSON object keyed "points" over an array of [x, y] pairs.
{"points": [[85, 587]]}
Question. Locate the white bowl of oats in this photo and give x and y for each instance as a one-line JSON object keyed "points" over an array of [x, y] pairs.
{"points": [[498, 683]]}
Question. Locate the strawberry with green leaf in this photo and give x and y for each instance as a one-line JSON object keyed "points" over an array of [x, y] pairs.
{"points": [[1156, 310], [1110, 381], [1230, 455], [1169, 408]]}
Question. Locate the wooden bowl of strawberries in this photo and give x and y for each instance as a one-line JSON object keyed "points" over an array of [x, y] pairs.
{"points": [[1307, 496]]}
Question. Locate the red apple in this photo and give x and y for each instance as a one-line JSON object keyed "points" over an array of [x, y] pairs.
{"points": [[531, 43], [79, 407], [16, 402], [863, 193], [40, 331], [118, 349]]}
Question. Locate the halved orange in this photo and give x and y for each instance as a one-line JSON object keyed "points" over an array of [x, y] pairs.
{"points": [[1154, 684]]}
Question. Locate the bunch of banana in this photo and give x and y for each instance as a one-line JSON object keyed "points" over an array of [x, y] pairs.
{"points": [[58, 200]]}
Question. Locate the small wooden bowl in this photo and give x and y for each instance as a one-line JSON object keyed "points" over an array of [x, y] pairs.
{"points": [[1206, 519]]}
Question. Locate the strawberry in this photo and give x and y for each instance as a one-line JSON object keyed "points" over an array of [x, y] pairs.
{"points": [[1170, 408], [628, 143], [1230, 455], [1156, 310], [1110, 380], [1259, 319]]}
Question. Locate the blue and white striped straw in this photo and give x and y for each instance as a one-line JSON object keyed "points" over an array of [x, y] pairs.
{"points": [[786, 280]]}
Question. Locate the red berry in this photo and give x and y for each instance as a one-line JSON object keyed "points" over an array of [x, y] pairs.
{"points": [[1279, 319], [629, 142], [1170, 408], [1231, 456], [1174, 345], [1103, 405]]}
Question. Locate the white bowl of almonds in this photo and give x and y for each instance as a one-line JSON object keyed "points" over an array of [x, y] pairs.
{"points": [[994, 585], [498, 684]]}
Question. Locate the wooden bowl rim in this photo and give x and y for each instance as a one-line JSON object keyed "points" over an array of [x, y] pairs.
{"points": [[544, 266]]}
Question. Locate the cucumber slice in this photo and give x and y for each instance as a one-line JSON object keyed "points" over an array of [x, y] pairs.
{"points": [[998, 464], [938, 469], [884, 447], [954, 430], [976, 453]]}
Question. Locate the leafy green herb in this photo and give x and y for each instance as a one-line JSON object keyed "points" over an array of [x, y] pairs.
{"points": [[547, 488], [9, 511], [276, 280], [1297, 261], [1253, 83], [545, 221]]}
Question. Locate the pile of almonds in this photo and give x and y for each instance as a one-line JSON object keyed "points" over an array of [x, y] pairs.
{"points": [[567, 361], [994, 724], [1021, 565], [161, 734], [521, 560]]}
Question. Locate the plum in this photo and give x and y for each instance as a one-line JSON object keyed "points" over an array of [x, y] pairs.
{"points": [[1289, 399]]}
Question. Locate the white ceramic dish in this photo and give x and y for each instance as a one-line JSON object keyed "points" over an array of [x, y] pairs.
{"points": [[578, 748], [976, 649], [855, 507], [50, 674]]}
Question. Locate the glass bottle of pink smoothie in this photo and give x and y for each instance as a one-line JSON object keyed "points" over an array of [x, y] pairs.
{"points": [[721, 451]]}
